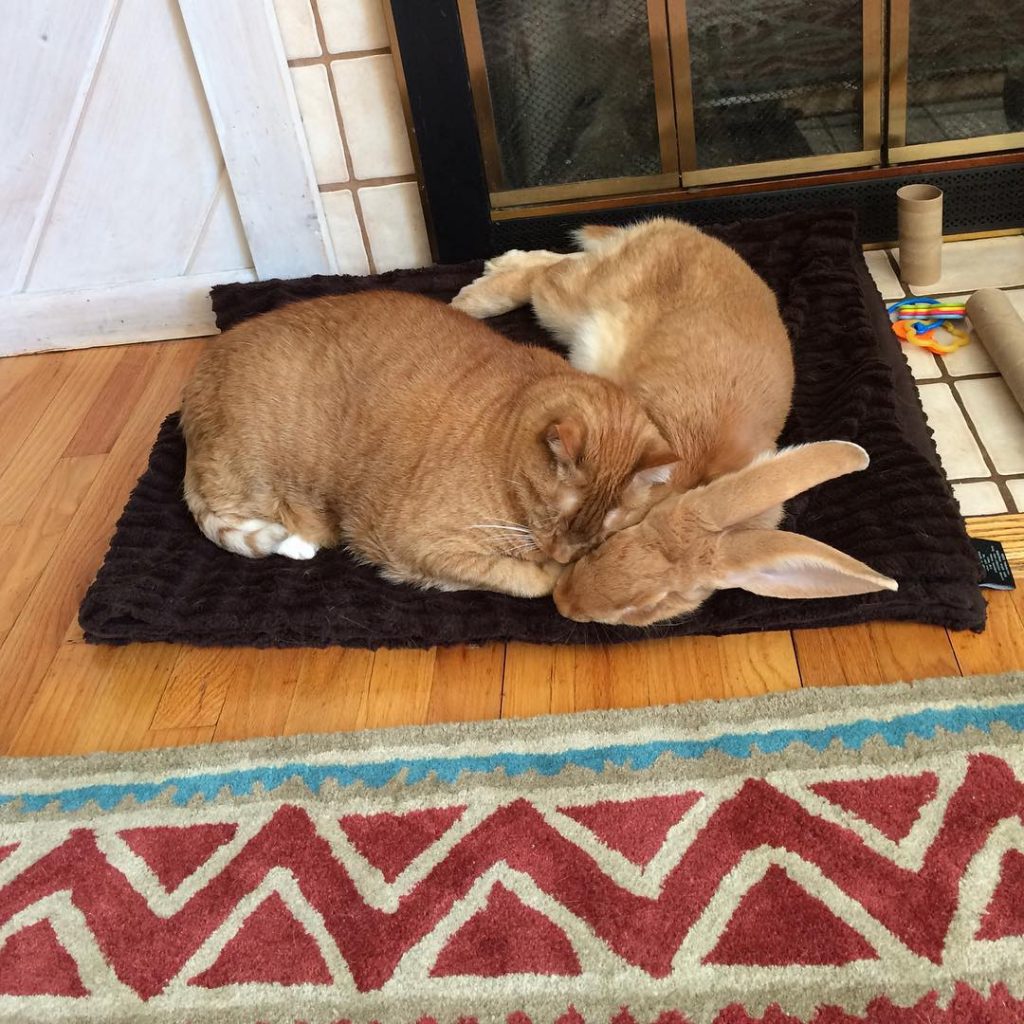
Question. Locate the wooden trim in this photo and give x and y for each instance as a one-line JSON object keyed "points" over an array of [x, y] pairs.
{"points": [[1006, 142], [1007, 529], [176, 307], [781, 168], [746, 187], [242, 64], [581, 190]]}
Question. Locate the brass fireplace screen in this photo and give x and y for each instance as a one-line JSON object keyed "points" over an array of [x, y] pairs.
{"points": [[578, 99]]}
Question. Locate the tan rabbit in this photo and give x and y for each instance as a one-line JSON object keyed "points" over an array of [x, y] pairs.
{"points": [[707, 539], [678, 319]]}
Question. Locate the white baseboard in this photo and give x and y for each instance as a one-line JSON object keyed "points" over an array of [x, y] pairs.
{"points": [[176, 307]]}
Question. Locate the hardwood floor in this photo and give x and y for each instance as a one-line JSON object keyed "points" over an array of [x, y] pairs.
{"points": [[75, 430]]}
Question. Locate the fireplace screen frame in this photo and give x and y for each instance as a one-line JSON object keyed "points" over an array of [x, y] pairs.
{"points": [[674, 106], [984, 193], [898, 151]]}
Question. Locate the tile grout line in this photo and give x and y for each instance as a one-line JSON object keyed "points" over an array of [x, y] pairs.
{"points": [[354, 179], [342, 186], [949, 381], [326, 57], [998, 479]]}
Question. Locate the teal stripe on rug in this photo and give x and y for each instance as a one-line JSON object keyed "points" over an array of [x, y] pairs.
{"points": [[853, 735]]}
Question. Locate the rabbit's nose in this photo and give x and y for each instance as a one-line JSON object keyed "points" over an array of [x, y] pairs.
{"points": [[565, 599]]}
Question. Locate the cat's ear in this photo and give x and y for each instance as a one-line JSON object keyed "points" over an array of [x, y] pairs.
{"points": [[565, 439], [655, 467]]}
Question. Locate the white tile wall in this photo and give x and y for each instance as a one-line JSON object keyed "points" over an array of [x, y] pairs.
{"points": [[968, 381], [979, 499], [298, 29], [393, 215], [960, 454], [982, 263], [346, 237], [351, 25], [922, 363], [356, 131], [316, 105], [885, 279], [1016, 488], [371, 111], [998, 419]]}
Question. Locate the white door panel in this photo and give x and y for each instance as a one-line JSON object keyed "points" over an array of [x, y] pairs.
{"points": [[123, 169]]}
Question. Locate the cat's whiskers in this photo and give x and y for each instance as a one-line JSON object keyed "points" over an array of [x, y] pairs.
{"points": [[507, 528]]}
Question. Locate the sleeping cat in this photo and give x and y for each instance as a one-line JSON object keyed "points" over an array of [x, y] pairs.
{"points": [[421, 439]]}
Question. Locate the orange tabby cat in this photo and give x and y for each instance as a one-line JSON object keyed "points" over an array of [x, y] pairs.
{"points": [[427, 443], [681, 322]]}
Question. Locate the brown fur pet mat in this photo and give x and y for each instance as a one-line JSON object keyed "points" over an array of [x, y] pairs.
{"points": [[163, 581]]}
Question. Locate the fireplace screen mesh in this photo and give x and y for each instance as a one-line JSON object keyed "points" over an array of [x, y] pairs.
{"points": [[775, 79], [969, 82], [572, 89]]}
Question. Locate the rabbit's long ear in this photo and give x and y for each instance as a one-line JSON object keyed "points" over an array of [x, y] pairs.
{"points": [[762, 485], [777, 564]]}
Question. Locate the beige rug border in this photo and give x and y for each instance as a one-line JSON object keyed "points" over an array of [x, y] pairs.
{"points": [[739, 712]]}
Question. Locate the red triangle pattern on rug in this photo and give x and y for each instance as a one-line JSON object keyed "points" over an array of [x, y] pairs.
{"points": [[34, 963], [174, 852], [891, 804], [506, 937], [270, 947], [636, 828], [6, 851], [391, 842], [1004, 916], [803, 929]]}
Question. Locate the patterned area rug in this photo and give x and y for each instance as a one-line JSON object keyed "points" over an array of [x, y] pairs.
{"points": [[832, 855]]}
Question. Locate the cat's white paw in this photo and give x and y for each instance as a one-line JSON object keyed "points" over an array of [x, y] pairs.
{"points": [[294, 546]]}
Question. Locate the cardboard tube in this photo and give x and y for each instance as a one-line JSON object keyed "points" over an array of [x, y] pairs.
{"points": [[1001, 331], [919, 210]]}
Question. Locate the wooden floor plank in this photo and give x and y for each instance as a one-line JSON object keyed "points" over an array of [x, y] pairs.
{"points": [[14, 372], [398, 692], [28, 385], [558, 680], [105, 419], [176, 737], [51, 722], [196, 689], [539, 680], [1001, 647], [259, 697], [466, 684], [75, 429], [26, 473], [28, 546], [331, 691], [717, 668], [874, 652], [1007, 529], [120, 712], [609, 677], [33, 641]]}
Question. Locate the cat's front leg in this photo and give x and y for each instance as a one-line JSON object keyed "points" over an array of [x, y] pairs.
{"points": [[507, 282], [500, 573], [524, 579]]}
